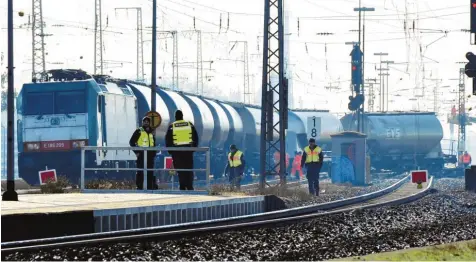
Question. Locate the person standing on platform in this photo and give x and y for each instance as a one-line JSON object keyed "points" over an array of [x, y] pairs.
{"points": [[182, 133], [144, 137], [235, 166], [312, 158]]}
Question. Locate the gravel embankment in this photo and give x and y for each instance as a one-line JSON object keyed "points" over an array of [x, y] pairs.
{"points": [[299, 196], [446, 216]]}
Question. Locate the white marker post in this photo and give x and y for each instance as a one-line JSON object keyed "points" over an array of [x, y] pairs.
{"points": [[314, 127]]}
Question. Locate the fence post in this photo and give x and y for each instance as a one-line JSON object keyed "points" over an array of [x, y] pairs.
{"points": [[144, 183], [208, 168], [83, 161]]}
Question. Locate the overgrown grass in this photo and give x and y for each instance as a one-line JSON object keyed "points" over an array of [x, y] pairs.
{"points": [[293, 193], [52, 187], [287, 192], [458, 251], [224, 189], [110, 184]]}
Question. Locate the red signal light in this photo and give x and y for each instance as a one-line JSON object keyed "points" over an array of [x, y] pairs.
{"points": [[474, 5], [354, 68]]}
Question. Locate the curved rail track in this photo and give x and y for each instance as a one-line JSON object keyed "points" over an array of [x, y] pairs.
{"points": [[399, 193]]}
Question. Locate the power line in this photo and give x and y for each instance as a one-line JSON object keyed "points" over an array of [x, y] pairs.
{"points": [[348, 18], [216, 9]]}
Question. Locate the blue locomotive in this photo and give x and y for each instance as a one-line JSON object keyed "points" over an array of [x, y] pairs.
{"points": [[72, 109]]}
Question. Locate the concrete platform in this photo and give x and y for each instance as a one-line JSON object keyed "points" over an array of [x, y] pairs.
{"points": [[52, 215]]}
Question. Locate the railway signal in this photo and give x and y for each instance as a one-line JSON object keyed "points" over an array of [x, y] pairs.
{"points": [[470, 68], [473, 16], [356, 102], [356, 68]]}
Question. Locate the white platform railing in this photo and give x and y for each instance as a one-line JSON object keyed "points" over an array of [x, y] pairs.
{"points": [[144, 169]]}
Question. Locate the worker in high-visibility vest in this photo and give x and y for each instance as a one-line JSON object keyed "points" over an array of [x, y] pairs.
{"points": [[312, 158], [465, 159], [144, 137], [235, 166], [297, 165], [182, 133]]}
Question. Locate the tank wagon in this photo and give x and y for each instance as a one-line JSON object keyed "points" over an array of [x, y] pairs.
{"points": [[402, 140], [73, 109]]}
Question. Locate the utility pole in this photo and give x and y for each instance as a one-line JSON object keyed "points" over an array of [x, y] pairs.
{"points": [[362, 109], [175, 74], [273, 54], [435, 98], [435, 93], [38, 43], [246, 76], [10, 194], [386, 91], [371, 93], [199, 61], [154, 56], [98, 59], [140, 42], [462, 113]]}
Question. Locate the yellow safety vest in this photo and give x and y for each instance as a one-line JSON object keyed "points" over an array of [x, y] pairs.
{"points": [[182, 132], [145, 139], [312, 155], [236, 160]]}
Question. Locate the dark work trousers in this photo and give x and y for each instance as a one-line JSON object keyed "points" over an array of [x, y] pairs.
{"points": [[312, 175], [184, 160], [235, 176], [151, 184]]}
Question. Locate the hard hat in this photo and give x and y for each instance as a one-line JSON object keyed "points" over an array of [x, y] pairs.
{"points": [[146, 117], [312, 140], [233, 146]]}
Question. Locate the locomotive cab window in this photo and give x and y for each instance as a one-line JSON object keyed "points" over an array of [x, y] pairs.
{"points": [[48, 103], [70, 102], [39, 103]]}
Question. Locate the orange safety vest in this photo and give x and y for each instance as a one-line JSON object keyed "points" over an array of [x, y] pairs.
{"points": [[466, 158], [297, 162]]}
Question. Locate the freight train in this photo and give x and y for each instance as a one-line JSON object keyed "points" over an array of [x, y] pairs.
{"points": [[72, 109], [402, 141]]}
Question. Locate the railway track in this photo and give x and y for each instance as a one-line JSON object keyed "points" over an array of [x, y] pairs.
{"points": [[400, 192]]}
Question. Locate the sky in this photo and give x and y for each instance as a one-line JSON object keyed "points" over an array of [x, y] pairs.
{"points": [[424, 39], [315, 61]]}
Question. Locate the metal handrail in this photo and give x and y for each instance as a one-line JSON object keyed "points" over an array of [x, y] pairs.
{"points": [[144, 169]]}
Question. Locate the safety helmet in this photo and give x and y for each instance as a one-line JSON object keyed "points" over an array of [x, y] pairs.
{"points": [[146, 118]]}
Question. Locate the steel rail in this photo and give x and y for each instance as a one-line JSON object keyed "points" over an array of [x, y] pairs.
{"points": [[218, 225], [180, 233]]}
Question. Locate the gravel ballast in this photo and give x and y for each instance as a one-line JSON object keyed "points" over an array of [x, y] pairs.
{"points": [[445, 216]]}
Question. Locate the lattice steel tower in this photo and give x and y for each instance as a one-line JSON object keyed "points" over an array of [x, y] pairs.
{"points": [[98, 59], [246, 75], [273, 54], [175, 73], [199, 63], [140, 43], [38, 43], [246, 92]]}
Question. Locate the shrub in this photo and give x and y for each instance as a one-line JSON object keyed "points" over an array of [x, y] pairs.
{"points": [[52, 187]]}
